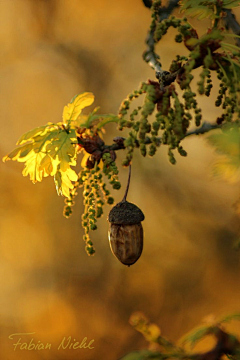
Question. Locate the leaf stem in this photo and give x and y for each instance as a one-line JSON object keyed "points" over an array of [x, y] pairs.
{"points": [[128, 183]]}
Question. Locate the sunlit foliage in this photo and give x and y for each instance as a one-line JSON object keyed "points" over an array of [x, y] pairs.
{"points": [[227, 343], [169, 109]]}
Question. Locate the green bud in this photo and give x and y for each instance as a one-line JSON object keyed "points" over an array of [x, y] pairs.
{"points": [[181, 151], [93, 227], [90, 250], [117, 185], [178, 38], [126, 162], [143, 149], [110, 200]]}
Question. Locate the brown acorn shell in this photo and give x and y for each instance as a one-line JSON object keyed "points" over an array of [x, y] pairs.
{"points": [[126, 242]]}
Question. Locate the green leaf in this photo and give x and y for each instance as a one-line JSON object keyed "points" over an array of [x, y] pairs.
{"points": [[46, 165], [234, 63], [196, 335], [105, 119], [74, 109], [63, 181], [30, 135], [32, 154], [227, 144], [51, 152], [58, 182], [186, 4], [198, 8], [229, 4], [203, 4], [61, 147], [230, 46], [227, 169], [201, 12], [100, 119], [32, 166], [231, 35], [229, 318], [62, 152], [91, 117], [17, 153]]}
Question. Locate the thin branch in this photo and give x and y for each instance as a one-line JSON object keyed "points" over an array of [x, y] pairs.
{"points": [[166, 11], [152, 58], [149, 55], [128, 183], [119, 144], [206, 127]]}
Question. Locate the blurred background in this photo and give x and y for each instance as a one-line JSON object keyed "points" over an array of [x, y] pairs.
{"points": [[189, 269]]}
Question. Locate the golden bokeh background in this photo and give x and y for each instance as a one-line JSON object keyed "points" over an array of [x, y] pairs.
{"points": [[50, 51]]}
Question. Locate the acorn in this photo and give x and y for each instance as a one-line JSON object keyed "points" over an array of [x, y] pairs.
{"points": [[126, 232]]}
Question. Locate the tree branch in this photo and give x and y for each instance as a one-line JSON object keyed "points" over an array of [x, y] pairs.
{"points": [[119, 141], [206, 127], [149, 55], [152, 58]]}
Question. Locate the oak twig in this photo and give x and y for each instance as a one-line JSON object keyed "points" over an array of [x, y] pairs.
{"points": [[119, 145], [152, 58], [203, 129], [149, 55]]}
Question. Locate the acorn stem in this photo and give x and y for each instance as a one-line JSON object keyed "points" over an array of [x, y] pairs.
{"points": [[128, 183]]}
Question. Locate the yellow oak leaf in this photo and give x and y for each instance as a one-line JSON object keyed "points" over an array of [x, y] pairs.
{"points": [[74, 108]]}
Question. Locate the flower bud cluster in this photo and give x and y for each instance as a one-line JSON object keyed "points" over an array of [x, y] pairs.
{"points": [[95, 195], [137, 137], [191, 103], [111, 171], [163, 26], [125, 105], [173, 116], [156, 4], [147, 110], [177, 63], [229, 91]]}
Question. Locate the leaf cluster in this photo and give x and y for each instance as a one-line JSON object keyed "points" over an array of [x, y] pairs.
{"points": [[168, 109], [174, 109], [202, 9], [53, 149], [165, 349]]}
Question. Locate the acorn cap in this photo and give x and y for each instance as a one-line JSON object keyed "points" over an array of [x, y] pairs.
{"points": [[125, 213]]}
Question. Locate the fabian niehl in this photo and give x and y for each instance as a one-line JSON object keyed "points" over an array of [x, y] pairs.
{"points": [[66, 343]]}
